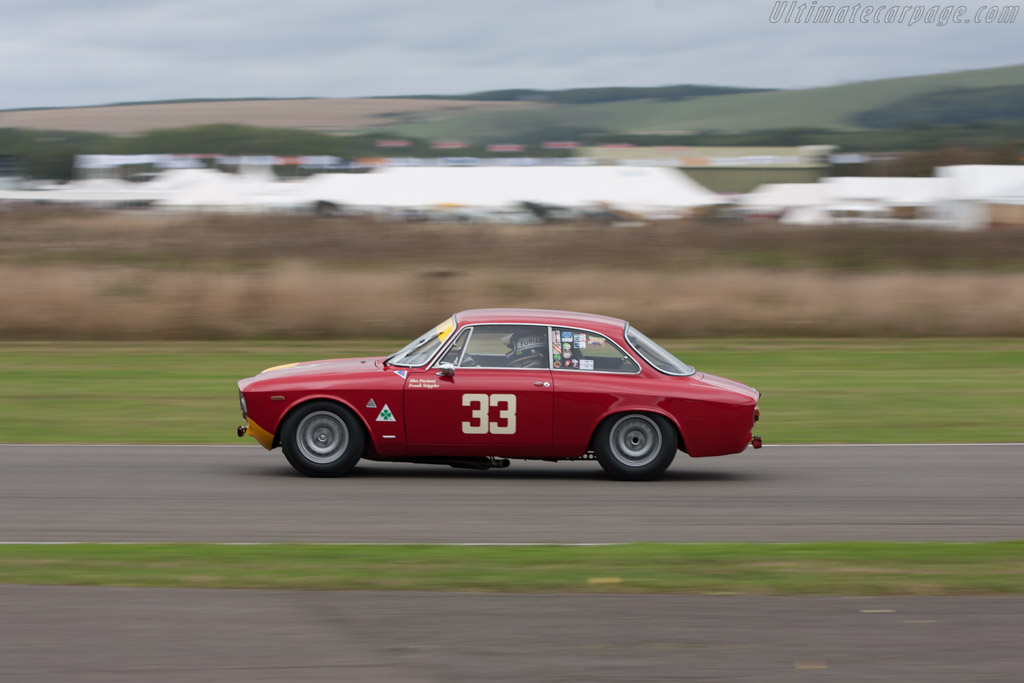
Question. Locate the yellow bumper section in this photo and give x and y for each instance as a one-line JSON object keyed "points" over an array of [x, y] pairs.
{"points": [[265, 438]]}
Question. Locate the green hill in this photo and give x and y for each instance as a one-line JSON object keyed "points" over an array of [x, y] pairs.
{"points": [[842, 107], [665, 93]]}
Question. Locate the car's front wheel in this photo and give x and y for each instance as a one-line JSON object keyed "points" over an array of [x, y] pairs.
{"points": [[635, 446], [322, 439]]}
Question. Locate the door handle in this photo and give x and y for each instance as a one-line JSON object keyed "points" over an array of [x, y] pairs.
{"points": [[542, 384]]}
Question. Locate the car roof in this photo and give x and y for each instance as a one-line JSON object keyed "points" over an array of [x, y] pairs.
{"points": [[539, 316]]}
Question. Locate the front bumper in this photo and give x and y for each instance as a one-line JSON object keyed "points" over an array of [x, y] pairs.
{"points": [[265, 438]]}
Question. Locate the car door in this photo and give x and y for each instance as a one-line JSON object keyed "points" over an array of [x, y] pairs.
{"points": [[592, 376], [494, 396]]}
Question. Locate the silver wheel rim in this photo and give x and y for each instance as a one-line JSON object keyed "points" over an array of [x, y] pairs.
{"points": [[635, 440], [322, 437]]}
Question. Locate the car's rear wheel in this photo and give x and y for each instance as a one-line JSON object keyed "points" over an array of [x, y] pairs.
{"points": [[635, 446], [322, 439]]}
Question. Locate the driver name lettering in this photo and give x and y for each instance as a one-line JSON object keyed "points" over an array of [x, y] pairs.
{"points": [[423, 383]]}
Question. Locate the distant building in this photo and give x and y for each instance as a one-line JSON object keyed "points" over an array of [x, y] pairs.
{"points": [[725, 169]]}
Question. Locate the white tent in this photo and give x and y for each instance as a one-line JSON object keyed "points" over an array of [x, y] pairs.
{"points": [[980, 182], [886, 191], [806, 215], [210, 190], [646, 191], [778, 197], [98, 191], [651, 192], [974, 186]]}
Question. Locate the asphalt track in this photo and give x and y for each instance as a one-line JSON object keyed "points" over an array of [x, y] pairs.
{"points": [[126, 635], [242, 493]]}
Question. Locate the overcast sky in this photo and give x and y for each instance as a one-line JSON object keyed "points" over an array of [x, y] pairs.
{"points": [[81, 52]]}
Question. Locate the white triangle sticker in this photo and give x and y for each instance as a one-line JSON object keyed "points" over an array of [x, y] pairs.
{"points": [[386, 415], [371, 404]]}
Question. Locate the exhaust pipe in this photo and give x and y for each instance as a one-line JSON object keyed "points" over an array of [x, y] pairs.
{"points": [[242, 429], [477, 463], [756, 442]]}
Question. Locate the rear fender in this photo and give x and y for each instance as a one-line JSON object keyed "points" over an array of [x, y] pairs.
{"points": [[648, 410]]}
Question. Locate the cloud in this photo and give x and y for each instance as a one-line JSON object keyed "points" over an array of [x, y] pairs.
{"points": [[73, 53]]}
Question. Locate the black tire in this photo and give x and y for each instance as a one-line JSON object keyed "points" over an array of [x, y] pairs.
{"points": [[322, 439], [635, 446]]}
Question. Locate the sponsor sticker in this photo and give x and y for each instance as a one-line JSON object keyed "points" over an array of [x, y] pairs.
{"points": [[566, 336], [528, 342], [401, 373], [586, 365], [581, 341], [596, 341]]}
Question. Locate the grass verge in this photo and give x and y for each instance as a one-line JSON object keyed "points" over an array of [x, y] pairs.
{"points": [[814, 390], [740, 568]]}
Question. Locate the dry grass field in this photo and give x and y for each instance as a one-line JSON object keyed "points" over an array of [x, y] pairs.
{"points": [[137, 275], [321, 115]]}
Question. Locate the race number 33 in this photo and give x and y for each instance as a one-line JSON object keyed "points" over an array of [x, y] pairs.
{"points": [[481, 422]]}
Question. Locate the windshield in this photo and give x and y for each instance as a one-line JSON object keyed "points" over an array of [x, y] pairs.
{"points": [[418, 352], [658, 357]]}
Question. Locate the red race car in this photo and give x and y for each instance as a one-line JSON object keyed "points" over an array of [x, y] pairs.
{"points": [[492, 384]]}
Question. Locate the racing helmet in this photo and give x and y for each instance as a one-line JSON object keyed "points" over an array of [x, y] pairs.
{"points": [[527, 350]]}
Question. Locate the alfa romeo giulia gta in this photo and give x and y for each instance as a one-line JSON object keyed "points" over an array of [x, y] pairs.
{"points": [[488, 385]]}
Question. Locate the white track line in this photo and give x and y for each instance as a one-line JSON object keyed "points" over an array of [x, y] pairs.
{"points": [[473, 545]]}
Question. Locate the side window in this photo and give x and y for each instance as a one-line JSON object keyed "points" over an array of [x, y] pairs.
{"points": [[580, 350], [454, 352], [507, 346]]}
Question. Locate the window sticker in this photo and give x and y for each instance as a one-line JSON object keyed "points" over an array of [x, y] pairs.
{"points": [[586, 365], [581, 340], [596, 341], [566, 336], [444, 329]]}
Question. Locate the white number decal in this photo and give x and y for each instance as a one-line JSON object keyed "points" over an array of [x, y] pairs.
{"points": [[508, 414], [479, 413], [481, 423]]}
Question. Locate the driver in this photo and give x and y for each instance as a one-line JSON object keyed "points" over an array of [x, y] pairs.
{"points": [[526, 350]]}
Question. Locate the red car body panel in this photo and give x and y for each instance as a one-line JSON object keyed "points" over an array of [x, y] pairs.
{"points": [[505, 412]]}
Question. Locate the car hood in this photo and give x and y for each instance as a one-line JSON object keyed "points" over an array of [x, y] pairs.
{"points": [[310, 373], [319, 367], [727, 385]]}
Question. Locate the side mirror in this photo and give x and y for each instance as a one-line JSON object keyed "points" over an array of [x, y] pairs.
{"points": [[447, 370]]}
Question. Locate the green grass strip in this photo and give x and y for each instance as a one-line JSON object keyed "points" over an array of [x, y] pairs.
{"points": [[734, 568], [815, 390]]}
